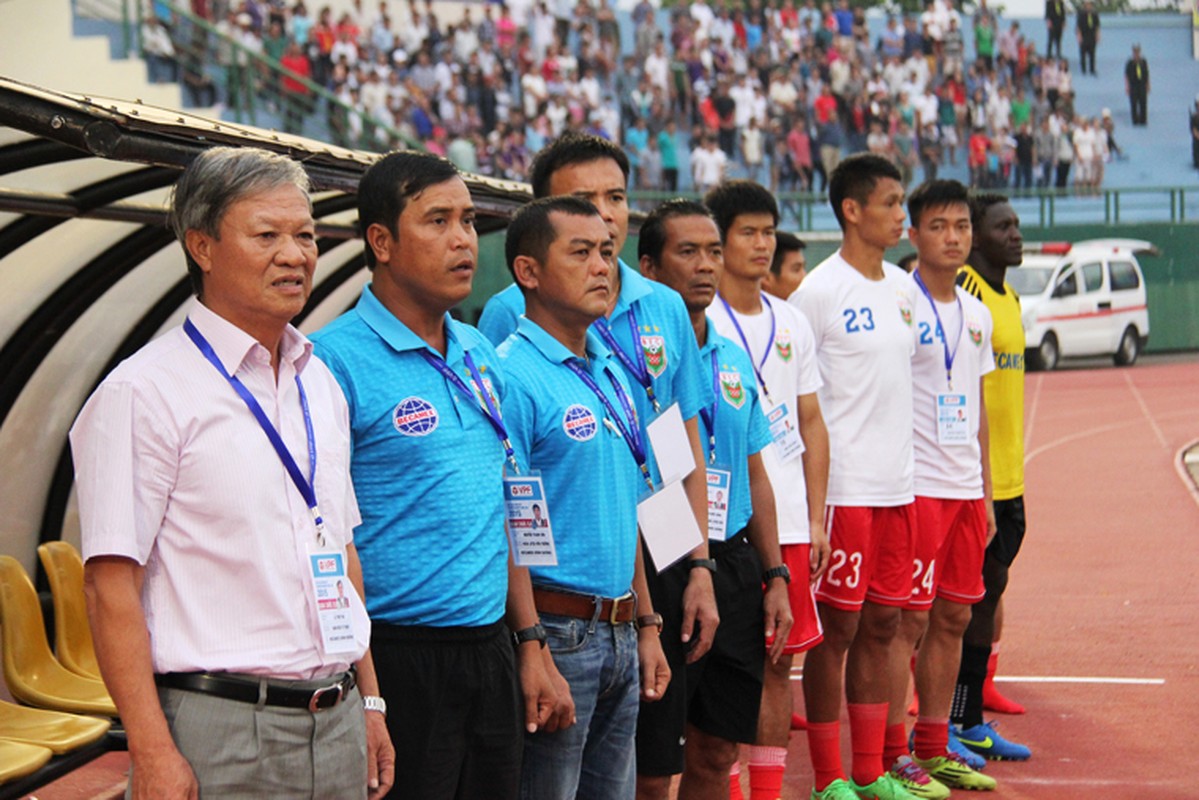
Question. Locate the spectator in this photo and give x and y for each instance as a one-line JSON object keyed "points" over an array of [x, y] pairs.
{"points": [[1136, 86], [708, 164]]}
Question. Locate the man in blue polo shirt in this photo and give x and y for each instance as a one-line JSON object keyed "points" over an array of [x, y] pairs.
{"points": [[680, 246], [429, 448], [647, 328], [571, 414]]}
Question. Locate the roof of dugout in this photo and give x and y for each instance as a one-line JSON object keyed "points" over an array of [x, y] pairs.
{"points": [[89, 272]]}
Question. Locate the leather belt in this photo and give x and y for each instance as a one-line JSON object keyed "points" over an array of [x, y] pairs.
{"points": [[246, 690], [616, 611]]}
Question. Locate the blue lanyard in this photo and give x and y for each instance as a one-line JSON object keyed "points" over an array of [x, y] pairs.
{"points": [[760, 363], [950, 355], [488, 407], [307, 486], [635, 366], [708, 415], [632, 431]]}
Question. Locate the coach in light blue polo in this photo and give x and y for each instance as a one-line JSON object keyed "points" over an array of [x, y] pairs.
{"points": [[573, 422], [427, 463]]}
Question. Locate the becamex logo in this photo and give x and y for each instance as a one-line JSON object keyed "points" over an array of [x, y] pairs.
{"points": [[654, 348], [415, 416], [579, 423], [782, 345]]}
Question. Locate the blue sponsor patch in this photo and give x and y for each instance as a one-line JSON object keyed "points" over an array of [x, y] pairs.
{"points": [[415, 416], [579, 423]]}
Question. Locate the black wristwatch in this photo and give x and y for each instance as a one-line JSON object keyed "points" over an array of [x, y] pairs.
{"points": [[702, 563], [532, 633], [780, 571]]}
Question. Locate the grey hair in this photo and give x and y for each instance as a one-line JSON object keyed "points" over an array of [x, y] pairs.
{"points": [[215, 180]]}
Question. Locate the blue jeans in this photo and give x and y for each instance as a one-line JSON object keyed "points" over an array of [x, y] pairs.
{"points": [[594, 759]]}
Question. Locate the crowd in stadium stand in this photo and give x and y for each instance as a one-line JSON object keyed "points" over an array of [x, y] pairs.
{"points": [[767, 89]]}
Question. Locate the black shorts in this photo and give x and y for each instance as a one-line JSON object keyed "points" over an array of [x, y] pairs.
{"points": [[1009, 535], [722, 692], [454, 710]]}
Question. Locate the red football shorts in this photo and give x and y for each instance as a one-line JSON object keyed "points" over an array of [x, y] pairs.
{"points": [[871, 556], [951, 539], [806, 633]]}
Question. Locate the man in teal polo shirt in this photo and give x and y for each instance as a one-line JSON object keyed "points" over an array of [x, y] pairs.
{"points": [[571, 415], [680, 246], [647, 327], [429, 448]]}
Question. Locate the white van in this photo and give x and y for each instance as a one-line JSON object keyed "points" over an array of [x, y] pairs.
{"points": [[1083, 299]]}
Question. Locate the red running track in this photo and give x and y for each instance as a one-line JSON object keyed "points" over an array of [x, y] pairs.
{"points": [[1106, 586]]}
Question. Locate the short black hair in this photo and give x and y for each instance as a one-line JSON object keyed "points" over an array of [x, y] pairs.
{"points": [[784, 243], [732, 198], [531, 231], [936, 194], [390, 183], [572, 148], [980, 203], [652, 237], [855, 178]]}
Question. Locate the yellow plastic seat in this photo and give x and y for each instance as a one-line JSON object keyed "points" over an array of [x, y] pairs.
{"points": [[59, 732], [33, 675], [72, 635], [18, 759]]}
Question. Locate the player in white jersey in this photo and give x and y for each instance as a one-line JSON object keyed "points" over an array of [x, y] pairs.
{"points": [[860, 309], [780, 346], [954, 519]]}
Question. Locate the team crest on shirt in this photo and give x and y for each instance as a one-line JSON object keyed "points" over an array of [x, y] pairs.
{"points": [[905, 310], [976, 333], [782, 345], [579, 423], [415, 416], [731, 388], [654, 347]]}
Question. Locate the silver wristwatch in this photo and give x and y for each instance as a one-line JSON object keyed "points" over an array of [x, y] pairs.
{"points": [[372, 702]]}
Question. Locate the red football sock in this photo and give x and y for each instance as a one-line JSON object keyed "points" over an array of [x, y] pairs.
{"points": [[895, 744], [824, 746], [992, 699], [867, 731], [932, 737], [735, 782], [766, 768]]}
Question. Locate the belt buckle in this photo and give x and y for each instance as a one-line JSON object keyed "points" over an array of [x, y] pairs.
{"points": [[615, 613], [314, 703]]}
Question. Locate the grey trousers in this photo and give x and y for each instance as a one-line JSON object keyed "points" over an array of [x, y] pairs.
{"points": [[239, 750]]}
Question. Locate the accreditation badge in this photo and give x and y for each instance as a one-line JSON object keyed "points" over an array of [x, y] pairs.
{"points": [[719, 496], [953, 419], [671, 445], [784, 430], [345, 627], [530, 532]]}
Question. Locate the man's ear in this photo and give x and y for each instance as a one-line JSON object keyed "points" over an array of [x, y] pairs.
{"points": [[199, 247], [380, 241], [649, 267], [526, 270]]}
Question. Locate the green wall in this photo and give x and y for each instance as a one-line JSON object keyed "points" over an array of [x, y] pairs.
{"points": [[1172, 278]]}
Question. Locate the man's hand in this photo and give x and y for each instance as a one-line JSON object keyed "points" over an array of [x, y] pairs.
{"points": [[820, 550], [163, 775], [562, 716], [535, 686], [655, 672], [776, 606], [992, 526], [699, 609], [380, 756]]}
